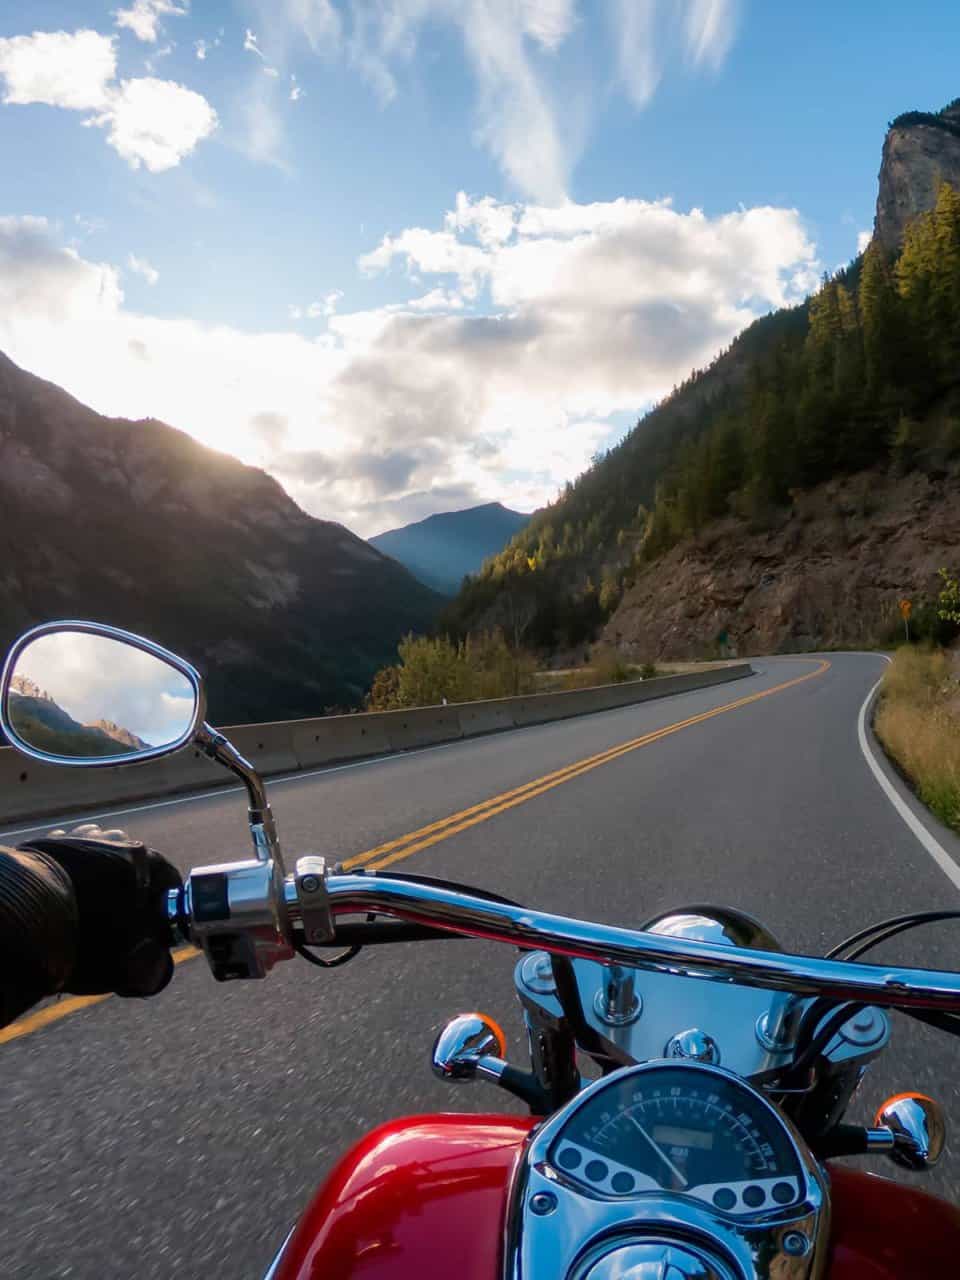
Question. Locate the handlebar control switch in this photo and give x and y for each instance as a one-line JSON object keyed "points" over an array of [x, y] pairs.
{"points": [[238, 917], [310, 877]]}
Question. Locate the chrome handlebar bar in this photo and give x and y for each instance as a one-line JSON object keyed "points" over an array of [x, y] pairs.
{"points": [[256, 912], [477, 917]]}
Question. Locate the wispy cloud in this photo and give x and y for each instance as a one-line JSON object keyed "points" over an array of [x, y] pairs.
{"points": [[635, 32], [649, 34], [710, 28]]}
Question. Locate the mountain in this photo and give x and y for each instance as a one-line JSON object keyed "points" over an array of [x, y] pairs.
{"points": [[44, 724], [921, 150], [136, 524], [791, 493], [444, 548]]}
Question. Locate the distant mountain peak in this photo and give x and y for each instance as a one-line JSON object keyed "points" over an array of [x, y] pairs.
{"points": [[441, 549]]}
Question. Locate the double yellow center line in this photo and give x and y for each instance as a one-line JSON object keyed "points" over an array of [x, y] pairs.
{"points": [[384, 855]]}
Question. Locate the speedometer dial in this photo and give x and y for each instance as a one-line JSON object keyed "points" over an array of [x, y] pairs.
{"points": [[679, 1129]]}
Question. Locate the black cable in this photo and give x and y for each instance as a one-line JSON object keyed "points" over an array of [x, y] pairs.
{"points": [[874, 934], [335, 963], [949, 1022], [817, 1040]]}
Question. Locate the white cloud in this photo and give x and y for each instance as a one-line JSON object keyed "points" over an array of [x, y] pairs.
{"points": [[863, 239], [250, 44], [58, 68], [141, 267], [437, 300], [143, 17], [155, 122], [582, 314], [710, 28], [148, 121], [321, 310]]}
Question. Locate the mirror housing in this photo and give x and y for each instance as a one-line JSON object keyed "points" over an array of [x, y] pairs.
{"points": [[236, 912], [163, 696]]}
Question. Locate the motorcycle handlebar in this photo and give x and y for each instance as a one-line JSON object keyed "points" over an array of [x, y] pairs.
{"points": [[438, 907]]}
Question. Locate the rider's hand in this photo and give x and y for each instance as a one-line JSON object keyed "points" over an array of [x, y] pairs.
{"points": [[123, 937]]}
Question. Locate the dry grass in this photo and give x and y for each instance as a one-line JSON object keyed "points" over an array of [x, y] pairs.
{"points": [[918, 722]]}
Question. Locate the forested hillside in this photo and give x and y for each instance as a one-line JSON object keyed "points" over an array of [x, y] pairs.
{"points": [[864, 375]]}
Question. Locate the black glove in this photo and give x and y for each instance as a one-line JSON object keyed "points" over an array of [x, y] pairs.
{"points": [[38, 930], [123, 938]]}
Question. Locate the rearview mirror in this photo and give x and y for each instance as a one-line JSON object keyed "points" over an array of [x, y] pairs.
{"points": [[78, 693]]}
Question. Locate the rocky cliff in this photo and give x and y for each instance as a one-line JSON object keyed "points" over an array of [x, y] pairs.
{"points": [[921, 150], [829, 572], [136, 524]]}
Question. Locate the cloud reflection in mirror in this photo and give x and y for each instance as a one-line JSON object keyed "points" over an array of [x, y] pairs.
{"points": [[81, 695]]}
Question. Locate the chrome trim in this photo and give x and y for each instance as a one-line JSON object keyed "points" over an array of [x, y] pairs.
{"points": [[748, 1246], [616, 1002], [693, 1044], [723, 925], [443, 908], [880, 1139], [108, 633], [467, 1046], [617, 1259], [274, 1270], [918, 1128], [310, 877]]}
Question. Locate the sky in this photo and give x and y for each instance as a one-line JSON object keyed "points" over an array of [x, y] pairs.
{"points": [[413, 255]]}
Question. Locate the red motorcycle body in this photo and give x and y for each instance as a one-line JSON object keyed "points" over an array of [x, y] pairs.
{"points": [[427, 1196]]}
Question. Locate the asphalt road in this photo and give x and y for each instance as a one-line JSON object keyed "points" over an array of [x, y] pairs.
{"points": [[179, 1137]]}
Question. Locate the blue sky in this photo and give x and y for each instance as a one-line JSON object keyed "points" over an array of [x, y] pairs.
{"points": [[414, 254]]}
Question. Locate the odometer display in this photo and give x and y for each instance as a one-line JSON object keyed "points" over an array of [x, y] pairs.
{"points": [[676, 1129]]}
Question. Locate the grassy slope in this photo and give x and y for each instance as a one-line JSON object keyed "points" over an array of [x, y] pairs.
{"points": [[918, 723]]}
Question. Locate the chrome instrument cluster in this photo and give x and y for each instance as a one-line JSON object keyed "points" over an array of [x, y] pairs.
{"points": [[676, 1157]]}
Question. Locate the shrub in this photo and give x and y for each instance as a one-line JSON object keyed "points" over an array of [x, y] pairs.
{"points": [[433, 669]]}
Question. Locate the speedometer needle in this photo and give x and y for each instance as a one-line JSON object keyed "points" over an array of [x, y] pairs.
{"points": [[660, 1152]]}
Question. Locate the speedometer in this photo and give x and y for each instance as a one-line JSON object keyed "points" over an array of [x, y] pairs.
{"points": [[686, 1130]]}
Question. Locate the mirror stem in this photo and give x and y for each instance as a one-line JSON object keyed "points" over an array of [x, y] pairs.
{"points": [[263, 829]]}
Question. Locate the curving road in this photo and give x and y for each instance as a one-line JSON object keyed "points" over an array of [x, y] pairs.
{"points": [[179, 1137]]}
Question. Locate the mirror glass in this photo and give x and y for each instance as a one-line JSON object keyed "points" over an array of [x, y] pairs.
{"points": [[80, 696]]}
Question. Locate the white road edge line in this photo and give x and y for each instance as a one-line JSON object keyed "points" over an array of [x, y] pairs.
{"points": [[929, 841]]}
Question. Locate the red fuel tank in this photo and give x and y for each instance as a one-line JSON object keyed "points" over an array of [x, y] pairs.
{"points": [[427, 1195]]}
